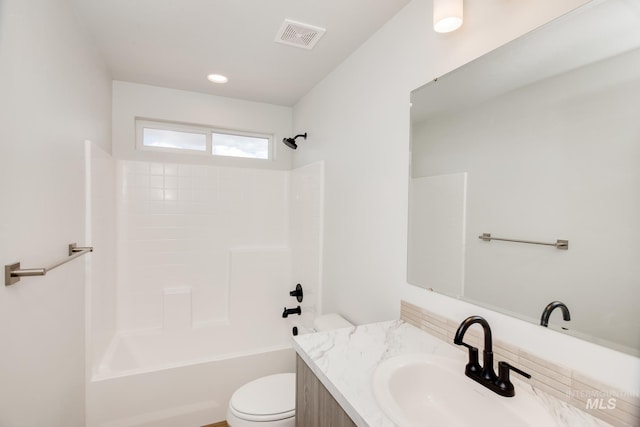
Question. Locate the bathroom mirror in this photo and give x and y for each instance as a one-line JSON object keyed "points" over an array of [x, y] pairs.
{"points": [[539, 141]]}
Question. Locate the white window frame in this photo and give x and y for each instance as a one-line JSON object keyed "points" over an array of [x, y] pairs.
{"points": [[141, 124]]}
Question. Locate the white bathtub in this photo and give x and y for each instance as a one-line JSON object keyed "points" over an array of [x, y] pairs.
{"points": [[146, 351], [181, 378]]}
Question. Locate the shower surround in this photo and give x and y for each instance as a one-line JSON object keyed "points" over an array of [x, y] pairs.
{"points": [[205, 257]]}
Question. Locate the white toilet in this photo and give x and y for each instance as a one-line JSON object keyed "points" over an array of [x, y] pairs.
{"points": [[271, 401]]}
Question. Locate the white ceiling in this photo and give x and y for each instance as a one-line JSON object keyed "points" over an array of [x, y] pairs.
{"points": [[177, 43]]}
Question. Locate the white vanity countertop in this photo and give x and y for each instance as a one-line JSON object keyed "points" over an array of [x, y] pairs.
{"points": [[345, 359]]}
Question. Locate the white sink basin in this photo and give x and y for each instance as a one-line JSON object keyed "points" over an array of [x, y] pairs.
{"points": [[427, 390]]}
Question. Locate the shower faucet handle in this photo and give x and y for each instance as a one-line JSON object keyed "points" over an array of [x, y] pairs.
{"points": [[297, 292]]}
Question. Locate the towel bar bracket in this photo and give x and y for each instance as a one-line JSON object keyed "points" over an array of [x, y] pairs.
{"points": [[8, 278]]}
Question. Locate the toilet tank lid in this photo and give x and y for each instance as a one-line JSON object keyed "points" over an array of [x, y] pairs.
{"points": [[331, 321], [270, 395]]}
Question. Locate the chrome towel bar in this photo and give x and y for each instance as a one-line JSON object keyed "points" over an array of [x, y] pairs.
{"points": [[13, 272], [559, 244]]}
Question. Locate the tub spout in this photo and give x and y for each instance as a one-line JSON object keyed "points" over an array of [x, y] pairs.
{"points": [[288, 311]]}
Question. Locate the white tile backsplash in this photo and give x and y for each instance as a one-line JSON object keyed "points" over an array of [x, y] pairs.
{"points": [[178, 224]]}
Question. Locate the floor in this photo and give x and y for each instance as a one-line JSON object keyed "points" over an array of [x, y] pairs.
{"points": [[220, 424]]}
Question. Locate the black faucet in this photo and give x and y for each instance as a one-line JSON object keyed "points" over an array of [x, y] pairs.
{"points": [[566, 315], [485, 375], [288, 311], [473, 367]]}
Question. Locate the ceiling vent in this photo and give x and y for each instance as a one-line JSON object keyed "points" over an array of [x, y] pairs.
{"points": [[298, 34]]}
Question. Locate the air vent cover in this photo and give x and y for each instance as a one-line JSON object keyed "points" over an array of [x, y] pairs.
{"points": [[298, 34]]}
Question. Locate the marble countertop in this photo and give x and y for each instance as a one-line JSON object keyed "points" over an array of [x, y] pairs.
{"points": [[344, 360]]}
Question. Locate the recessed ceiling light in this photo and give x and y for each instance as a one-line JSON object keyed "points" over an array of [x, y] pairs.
{"points": [[217, 78]]}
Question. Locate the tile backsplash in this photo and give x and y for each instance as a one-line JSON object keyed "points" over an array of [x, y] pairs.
{"points": [[617, 408], [180, 226]]}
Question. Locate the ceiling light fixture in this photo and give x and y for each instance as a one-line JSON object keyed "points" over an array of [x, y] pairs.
{"points": [[447, 15], [217, 78]]}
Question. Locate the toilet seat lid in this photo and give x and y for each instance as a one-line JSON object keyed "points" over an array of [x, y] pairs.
{"points": [[268, 398]]}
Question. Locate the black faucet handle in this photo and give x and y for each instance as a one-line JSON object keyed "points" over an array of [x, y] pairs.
{"points": [[473, 367], [504, 382], [505, 367], [297, 292]]}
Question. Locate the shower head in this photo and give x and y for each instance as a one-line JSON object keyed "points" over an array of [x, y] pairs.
{"points": [[291, 142]]}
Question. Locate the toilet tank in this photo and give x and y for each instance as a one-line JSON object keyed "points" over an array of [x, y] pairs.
{"points": [[328, 322]]}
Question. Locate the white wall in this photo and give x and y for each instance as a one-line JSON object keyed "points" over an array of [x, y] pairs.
{"points": [[131, 101], [358, 123], [55, 93], [305, 238], [101, 265]]}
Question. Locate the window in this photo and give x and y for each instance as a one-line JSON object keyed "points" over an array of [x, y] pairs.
{"points": [[226, 144], [175, 137]]}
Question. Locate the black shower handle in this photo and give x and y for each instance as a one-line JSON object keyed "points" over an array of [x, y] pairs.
{"points": [[297, 292]]}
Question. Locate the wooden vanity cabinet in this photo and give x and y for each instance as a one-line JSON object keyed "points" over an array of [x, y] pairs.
{"points": [[315, 407]]}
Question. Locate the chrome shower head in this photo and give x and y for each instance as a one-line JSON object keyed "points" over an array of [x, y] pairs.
{"points": [[291, 142]]}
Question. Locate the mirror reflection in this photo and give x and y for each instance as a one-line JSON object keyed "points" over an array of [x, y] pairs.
{"points": [[538, 141]]}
